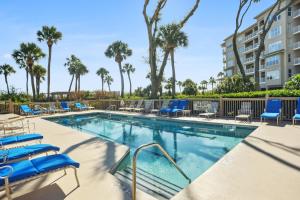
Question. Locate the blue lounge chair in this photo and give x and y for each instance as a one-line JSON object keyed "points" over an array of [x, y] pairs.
{"points": [[64, 106], [172, 105], [19, 139], [23, 171], [84, 106], [26, 110], [78, 106], [272, 110], [14, 154], [297, 113], [182, 105]]}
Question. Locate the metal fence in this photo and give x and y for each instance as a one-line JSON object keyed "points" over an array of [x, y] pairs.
{"points": [[228, 107]]}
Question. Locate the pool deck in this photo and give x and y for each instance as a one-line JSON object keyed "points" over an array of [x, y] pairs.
{"points": [[266, 165]]}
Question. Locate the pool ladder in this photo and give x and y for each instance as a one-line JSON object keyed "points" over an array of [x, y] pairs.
{"points": [[135, 156]]}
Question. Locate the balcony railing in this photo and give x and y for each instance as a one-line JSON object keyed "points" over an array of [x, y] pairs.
{"points": [[249, 70], [296, 13], [250, 59], [262, 67], [262, 79], [296, 29], [297, 61], [250, 36], [297, 45], [250, 48]]}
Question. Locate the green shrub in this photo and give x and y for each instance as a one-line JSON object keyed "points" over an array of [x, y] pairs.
{"points": [[293, 83]]}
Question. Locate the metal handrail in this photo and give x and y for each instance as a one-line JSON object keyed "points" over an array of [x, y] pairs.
{"points": [[135, 155]]}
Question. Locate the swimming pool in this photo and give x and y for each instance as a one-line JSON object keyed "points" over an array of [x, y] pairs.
{"points": [[194, 146]]}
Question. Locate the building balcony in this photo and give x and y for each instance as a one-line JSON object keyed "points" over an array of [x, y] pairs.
{"points": [[251, 36], [296, 29], [297, 61], [262, 80], [249, 70], [251, 48], [249, 60], [296, 13], [262, 68], [296, 45]]}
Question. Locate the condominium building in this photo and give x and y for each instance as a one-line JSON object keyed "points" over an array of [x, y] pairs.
{"points": [[280, 58]]}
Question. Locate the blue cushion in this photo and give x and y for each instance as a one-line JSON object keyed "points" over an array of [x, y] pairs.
{"points": [[273, 106], [298, 107], [39, 148], [297, 117], [28, 137], [269, 115], [21, 170], [53, 162], [8, 140]]}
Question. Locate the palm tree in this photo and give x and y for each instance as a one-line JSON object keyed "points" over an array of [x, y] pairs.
{"points": [[72, 63], [6, 70], [212, 81], [169, 86], [179, 83], [128, 68], [169, 38], [81, 70], [204, 84], [108, 80], [102, 72], [27, 55], [51, 36], [119, 51], [39, 72]]}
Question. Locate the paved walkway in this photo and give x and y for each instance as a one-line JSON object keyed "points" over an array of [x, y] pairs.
{"points": [[265, 166]]}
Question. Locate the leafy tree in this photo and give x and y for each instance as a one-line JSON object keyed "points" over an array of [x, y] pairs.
{"points": [[212, 81], [235, 84], [169, 38], [81, 70], [39, 72], [204, 85], [189, 87], [102, 72], [143, 92], [157, 68], [6, 70], [179, 83], [119, 51], [293, 83], [109, 80], [128, 68], [72, 64], [51, 36], [27, 55], [169, 86]]}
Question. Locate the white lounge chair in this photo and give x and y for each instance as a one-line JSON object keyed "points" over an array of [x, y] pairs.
{"points": [[211, 111], [138, 107], [245, 112]]}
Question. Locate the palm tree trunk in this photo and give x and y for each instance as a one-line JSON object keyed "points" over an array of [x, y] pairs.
{"points": [[122, 79], [49, 65], [37, 85], [32, 82], [5, 77], [26, 81], [79, 84], [173, 74], [70, 87], [102, 79], [108, 87], [130, 85], [76, 80]]}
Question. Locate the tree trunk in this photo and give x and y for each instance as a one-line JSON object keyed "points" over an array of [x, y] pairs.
{"points": [[76, 81], [108, 86], [70, 87], [122, 79], [130, 85], [37, 86], [49, 74], [5, 77], [32, 82], [237, 56], [79, 84], [173, 74], [27, 81], [102, 79]]}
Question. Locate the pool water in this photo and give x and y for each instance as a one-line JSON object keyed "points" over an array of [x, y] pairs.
{"points": [[194, 146]]}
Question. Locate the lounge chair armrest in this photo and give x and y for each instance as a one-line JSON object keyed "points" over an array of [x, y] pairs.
{"points": [[10, 171], [4, 155]]}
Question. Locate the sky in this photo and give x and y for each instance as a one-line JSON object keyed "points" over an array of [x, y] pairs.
{"points": [[89, 27]]}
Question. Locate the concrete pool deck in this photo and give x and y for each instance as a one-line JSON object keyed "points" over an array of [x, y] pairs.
{"points": [[266, 165]]}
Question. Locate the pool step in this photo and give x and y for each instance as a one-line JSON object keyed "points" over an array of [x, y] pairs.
{"points": [[149, 183]]}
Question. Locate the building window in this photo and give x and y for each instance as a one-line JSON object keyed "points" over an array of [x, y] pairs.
{"points": [[290, 73], [274, 32], [273, 75], [275, 46], [230, 63], [289, 11], [273, 60], [289, 28], [289, 57]]}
